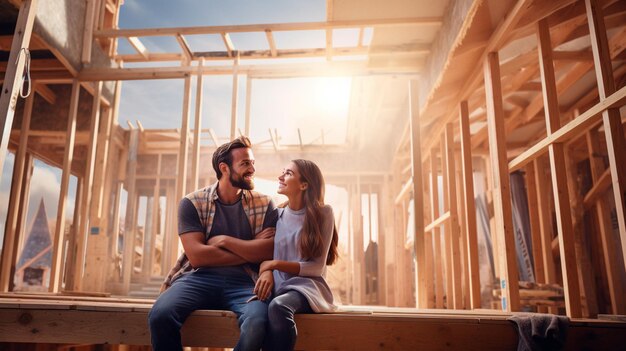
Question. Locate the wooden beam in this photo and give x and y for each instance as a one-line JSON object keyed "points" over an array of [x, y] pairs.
{"points": [[614, 133], [534, 207], [234, 99], [90, 15], [131, 210], [12, 81], [447, 248], [248, 102], [59, 230], [471, 230], [139, 47], [16, 197], [230, 48], [45, 92], [501, 188], [602, 183], [454, 226], [184, 46], [274, 27], [571, 130], [434, 209], [612, 264], [562, 205], [195, 157], [437, 222], [418, 206], [271, 42]]}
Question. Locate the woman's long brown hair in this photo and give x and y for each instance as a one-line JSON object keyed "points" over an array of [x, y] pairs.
{"points": [[311, 236]]}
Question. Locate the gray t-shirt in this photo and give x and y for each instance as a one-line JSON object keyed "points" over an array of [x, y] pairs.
{"points": [[231, 220], [310, 281]]}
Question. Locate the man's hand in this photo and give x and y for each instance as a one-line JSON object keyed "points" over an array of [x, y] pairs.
{"points": [[264, 285], [266, 233]]}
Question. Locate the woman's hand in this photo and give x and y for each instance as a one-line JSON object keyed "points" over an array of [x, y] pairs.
{"points": [[219, 241], [264, 285], [266, 233], [267, 266]]}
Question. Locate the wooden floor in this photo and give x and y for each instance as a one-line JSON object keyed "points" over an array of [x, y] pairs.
{"points": [[96, 320]]}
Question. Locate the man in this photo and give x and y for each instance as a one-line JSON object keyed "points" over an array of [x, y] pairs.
{"points": [[207, 276]]}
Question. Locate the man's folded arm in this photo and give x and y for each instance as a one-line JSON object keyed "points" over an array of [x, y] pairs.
{"points": [[205, 255], [254, 251]]}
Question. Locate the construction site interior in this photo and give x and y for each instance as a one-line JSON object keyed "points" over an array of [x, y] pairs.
{"points": [[473, 150]]}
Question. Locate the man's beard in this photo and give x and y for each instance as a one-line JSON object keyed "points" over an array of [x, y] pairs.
{"points": [[239, 181]]}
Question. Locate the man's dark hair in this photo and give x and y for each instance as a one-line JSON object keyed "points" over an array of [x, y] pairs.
{"points": [[224, 154]]}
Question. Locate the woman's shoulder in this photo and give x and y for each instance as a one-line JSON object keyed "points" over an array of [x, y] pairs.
{"points": [[327, 210]]}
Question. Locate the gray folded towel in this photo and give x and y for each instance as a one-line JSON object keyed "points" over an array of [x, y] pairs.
{"points": [[538, 331]]}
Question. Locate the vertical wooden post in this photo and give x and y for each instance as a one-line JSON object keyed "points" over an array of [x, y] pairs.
{"points": [[90, 16], [615, 142], [470, 206], [12, 82], [434, 208], [11, 233], [602, 209], [428, 243], [183, 155], [534, 207], [131, 207], [559, 177], [248, 101], [454, 235], [59, 232], [83, 228], [447, 240], [156, 211], [195, 157], [509, 281], [418, 207], [235, 99]]}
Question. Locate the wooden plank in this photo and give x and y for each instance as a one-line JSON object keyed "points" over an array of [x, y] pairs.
{"points": [[418, 206], [184, 46], [248, 102], [59, 230], [139, 47], [562, 208], [501, 188], [230, 48], [195, 157], [274, 27], [447, 241], [90, 14], [612, 264], [534, 207], [454, 227], [131, 210], [600, 186], [471, 230], [45, 92], [84, 224], [271, 42], [12, 81], [614, 133], [434, 209], [428, 241], [11, 235], [234, 99]]}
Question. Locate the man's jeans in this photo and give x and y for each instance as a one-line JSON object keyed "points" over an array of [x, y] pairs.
{"points": [[206, 290]]}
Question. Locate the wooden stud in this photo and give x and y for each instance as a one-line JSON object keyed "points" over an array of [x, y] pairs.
{"points": [[501, 188], [428, 242], [271, 42], [230, 48], [195, 157], [16, 197], [434, 208], [535, 228], [185, 47], [559, 176], [470, 207], [234, 99], [614, 133], [248, 101], [12, 81], [139, 47], [59, 231], [447, 249], [131, 208], [454, 227], [418, 207], [90, 16], [83, 230], [612, 264]]}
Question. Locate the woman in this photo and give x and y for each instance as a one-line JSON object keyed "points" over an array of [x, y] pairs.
{"points": [[305, 242]]}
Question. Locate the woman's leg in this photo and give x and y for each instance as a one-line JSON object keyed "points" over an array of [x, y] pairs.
{"points": [[171, 309], [282, 331]]}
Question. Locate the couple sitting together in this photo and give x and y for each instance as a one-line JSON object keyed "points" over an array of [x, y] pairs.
{"points": [[243, 254]]}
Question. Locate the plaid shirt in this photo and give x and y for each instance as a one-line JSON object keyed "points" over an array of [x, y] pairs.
{"points": [[254, 205]]}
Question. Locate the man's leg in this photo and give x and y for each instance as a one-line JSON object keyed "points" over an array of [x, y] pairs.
{"points": [[189, 293], [252, 316], [282, 331]]}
